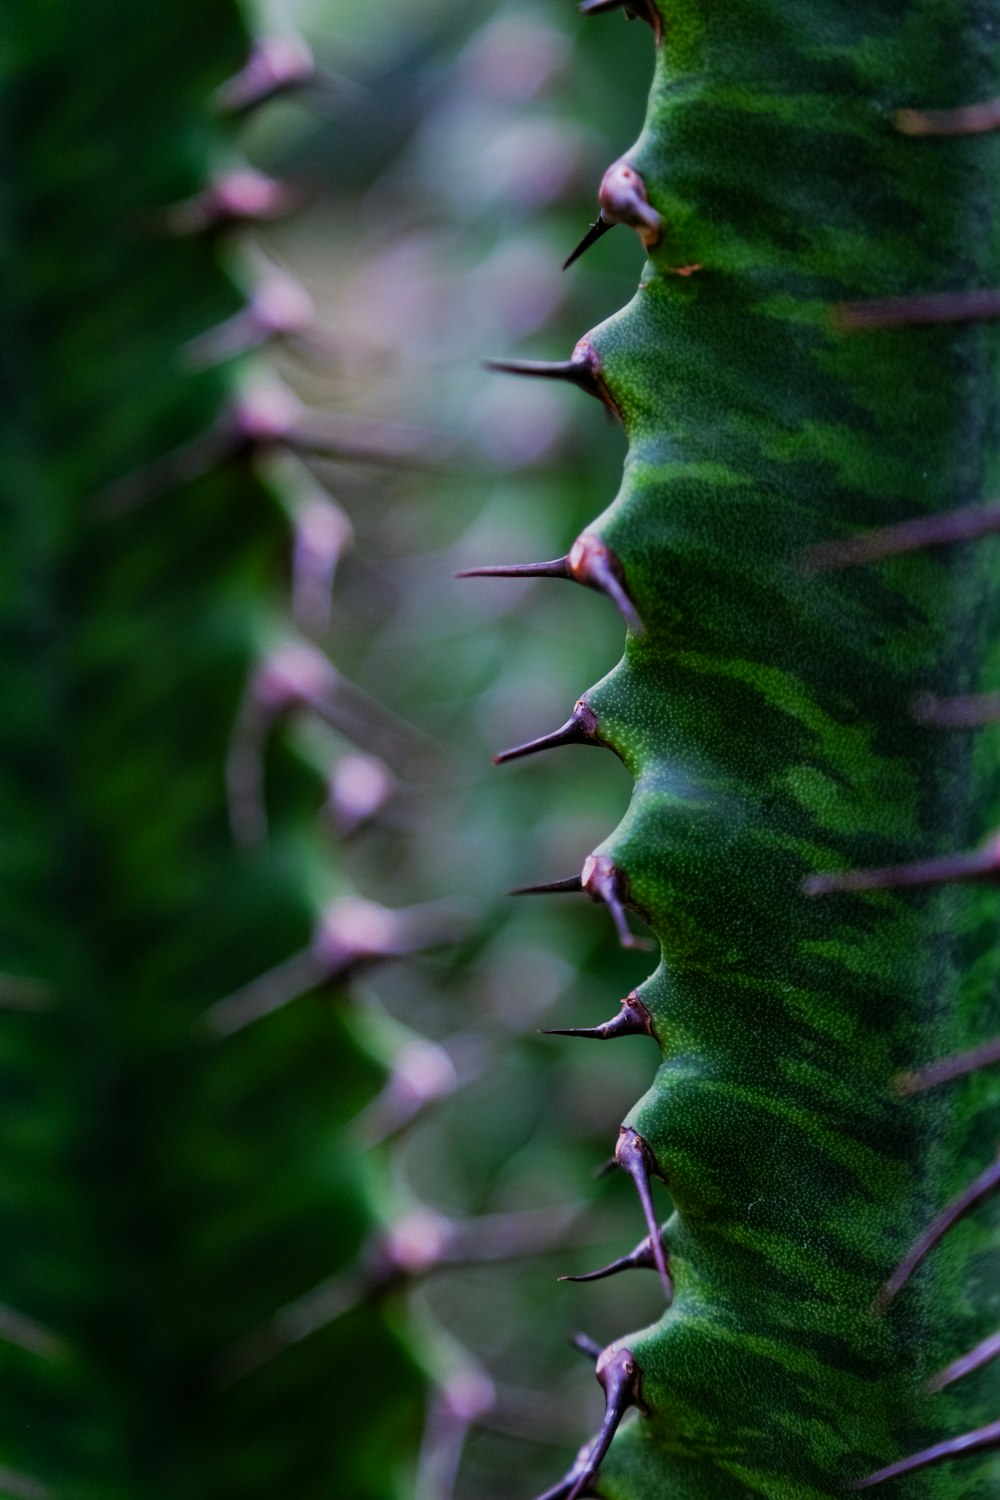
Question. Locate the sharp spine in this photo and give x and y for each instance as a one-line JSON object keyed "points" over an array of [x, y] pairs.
{"points": [[981, 1355], [596, 232], [582, 369], [987, 1182], [982, 304], [571, 883], [633, 1019], [634, 1157], [619, 1377], [967, 1442], [580, 729], [557, 568], [641, 1258], [983, 864], [590, 562], [634, 10]]}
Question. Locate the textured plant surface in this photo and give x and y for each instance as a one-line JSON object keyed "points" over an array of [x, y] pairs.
{"points": [[810, 833]]}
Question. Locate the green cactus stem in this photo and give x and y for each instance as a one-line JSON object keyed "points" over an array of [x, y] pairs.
{"points": [[812, 418]]}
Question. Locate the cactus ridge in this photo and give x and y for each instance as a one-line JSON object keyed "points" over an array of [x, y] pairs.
{"points": [[806, 396]]}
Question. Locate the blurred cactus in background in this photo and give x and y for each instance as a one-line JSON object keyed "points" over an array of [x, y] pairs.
{"points": [[225, 1188]]}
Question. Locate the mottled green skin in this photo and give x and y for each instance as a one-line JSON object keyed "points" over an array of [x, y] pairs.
{"points": [[765, 715], [160, 1195]]}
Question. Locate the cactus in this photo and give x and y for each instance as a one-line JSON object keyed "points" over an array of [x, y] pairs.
{"points": [[798, 550], [174, 1177]]}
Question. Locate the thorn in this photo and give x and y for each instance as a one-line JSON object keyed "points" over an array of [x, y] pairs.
{"points": [[987, 1182], [587, 1346], [582, 369], [619, 1378], [580, 729], [623, 200], [571, 883], [966, 524], [639, 1259], [596, 232], [979, 305], [360, 787], [634, 1157], [634, 10], [956, 1066], [633, 1019], [971, 119], [592, 563], [279, 307], [558, 568], [322, 533], [968, 712], [981, 1355], [984, 864], [237, 198], [604, 882], [277, 65], [969, 1442]]}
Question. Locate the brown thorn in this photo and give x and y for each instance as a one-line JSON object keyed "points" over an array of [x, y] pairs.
{"points": [[633, 1019], [580, 729], [619, 1377], [968, 1442], [558, 568], [966, 524], [641, 1258], [592, 563], [964, 712], [582, 369], [571, 883], [970, 119], [980, 1188], [634, 1157], [983, 864], [596, 232], [623, 201], [277, 65], [586, 1345], [956, 1066], [981, 1355], [634, 10], [982, 304], [604, 882]]}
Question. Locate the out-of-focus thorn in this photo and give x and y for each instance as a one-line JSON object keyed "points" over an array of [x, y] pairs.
{"points": [[239, 197], [634, 1157], [582, 369], [16, 1485], [982, 1354], [966, 711], [277, 65], [461, 1401], [967, 1442], [633, 1019], [18, 992], [958, 1065], [966, 524], [983, 864], [981, 304], [641, 1258], [26, 1334], [351, 933], [322, 534], [981, 1187], [634, 10], [623, 200], [596, 232], [587, 1346], [970, 119], [279, 308], [579, 729], [298, 676], [360, 787], [422, 1073]]}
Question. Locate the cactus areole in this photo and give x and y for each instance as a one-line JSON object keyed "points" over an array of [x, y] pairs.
{"points": [[812, 835]]}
